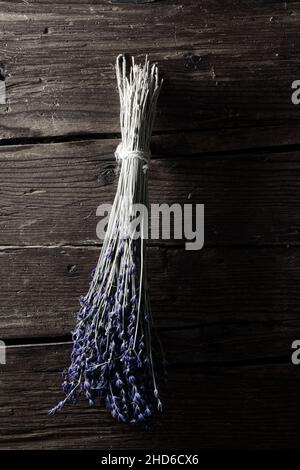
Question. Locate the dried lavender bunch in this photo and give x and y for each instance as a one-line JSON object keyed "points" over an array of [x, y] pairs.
{"points": [[112, 351]]}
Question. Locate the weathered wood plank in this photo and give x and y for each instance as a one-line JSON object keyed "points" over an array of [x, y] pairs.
{"points": [[50, 193], [232, 287], [223, 65], [226, 408], [226, 341], [228, 141]]}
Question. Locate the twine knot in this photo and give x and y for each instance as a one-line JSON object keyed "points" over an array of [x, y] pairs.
{"points": [[122, 153]]}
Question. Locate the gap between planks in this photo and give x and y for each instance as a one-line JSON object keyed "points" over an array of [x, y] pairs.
{"points": [[163, 137], [256, 361], [162, 245]]}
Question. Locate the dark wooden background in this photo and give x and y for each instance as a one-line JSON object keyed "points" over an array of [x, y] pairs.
{"points": [[227, 135]]}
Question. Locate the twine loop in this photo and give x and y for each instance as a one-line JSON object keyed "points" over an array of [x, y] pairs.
{"points": [[122, 153]]}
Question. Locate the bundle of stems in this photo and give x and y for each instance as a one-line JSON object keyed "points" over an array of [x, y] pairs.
{"points": [[112, 349]]}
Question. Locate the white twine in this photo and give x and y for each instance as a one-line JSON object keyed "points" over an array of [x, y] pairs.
{"points": [[122, 153]]}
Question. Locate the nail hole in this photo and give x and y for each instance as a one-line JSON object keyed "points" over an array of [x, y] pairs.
{"points": [[72, 268]]}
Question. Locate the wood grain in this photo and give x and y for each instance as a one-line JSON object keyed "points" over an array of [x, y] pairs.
{"points": [[204, 408], [223, 66], [50, 193], [217, 287]]}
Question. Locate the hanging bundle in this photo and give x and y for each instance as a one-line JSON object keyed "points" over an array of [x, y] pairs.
{"points": [[112, 350]]}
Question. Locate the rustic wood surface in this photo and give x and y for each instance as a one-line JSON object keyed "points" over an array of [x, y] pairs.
{"points": [[50, 192], [224, 65], [227, 136], [204, 404], [41, 287]]}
